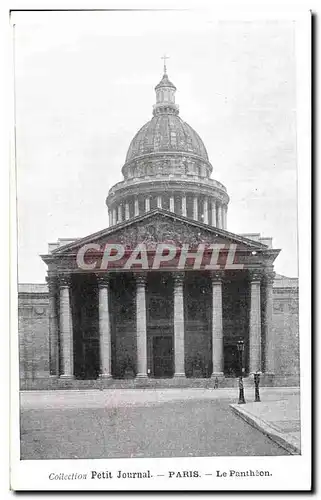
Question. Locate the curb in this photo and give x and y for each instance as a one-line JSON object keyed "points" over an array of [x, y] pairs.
{"points": [[288, 442]]}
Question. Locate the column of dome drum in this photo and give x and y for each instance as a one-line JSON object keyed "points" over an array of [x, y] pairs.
{"points": [[205, 210]]}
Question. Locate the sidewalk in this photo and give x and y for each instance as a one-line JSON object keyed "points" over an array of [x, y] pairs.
{"points": [[114, 398], [278, 419]]}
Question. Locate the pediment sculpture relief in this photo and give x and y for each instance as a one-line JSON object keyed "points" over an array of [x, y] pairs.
{"points": [[159, 231]]}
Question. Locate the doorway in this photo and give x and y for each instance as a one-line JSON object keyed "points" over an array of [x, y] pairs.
{"points": [[163, 357], [231, 361]]}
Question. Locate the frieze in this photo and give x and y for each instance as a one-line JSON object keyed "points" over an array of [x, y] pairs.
{"points": [[160, 231]]}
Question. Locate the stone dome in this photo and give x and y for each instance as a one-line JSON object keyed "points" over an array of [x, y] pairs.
{"points": [[166, 133], [167, 167]]}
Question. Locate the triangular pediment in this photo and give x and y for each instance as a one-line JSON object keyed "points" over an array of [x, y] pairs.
{"points": [[161, 226]]}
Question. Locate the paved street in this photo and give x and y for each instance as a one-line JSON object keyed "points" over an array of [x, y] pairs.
{"points": [[140, 424]]}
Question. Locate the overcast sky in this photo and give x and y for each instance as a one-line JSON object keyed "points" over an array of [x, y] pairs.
{"points": [[85, 85]]}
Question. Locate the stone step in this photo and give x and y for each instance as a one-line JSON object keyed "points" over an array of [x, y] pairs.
{"points": [[149, 383]]}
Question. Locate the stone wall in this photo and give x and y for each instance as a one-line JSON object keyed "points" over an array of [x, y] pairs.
{"points": [[286, 331], [33, 324]]}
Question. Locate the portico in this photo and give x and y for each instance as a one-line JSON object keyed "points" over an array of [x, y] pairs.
{"points": [[160, 323]]}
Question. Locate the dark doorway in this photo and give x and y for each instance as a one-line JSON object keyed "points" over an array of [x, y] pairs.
{"points": [[163, 357], [231, 361], [85, 327]]}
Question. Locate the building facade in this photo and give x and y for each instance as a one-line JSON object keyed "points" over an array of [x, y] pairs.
{"points": [[166, 294]]}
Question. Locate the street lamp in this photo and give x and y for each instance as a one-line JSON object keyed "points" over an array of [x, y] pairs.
{"points": [[240, 348]]}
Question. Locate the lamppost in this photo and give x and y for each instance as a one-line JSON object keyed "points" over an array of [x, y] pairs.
{"points": [[240, 348], [257, 386]]}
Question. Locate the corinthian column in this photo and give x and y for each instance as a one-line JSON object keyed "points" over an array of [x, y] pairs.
{"points": [[184, 211], [225, 217], [141, 326], [205, 210], [104, 327], [195, 208], [217, 326], [255, 323], [213, 213], [219, 217], [120, 213], [136, 207], [66, 334], [171, 204], [53, 328], [269, 331], [179, 329], [126, 211]]}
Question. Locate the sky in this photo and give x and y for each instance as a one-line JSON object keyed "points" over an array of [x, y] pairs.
{"points": [[84, 85]]}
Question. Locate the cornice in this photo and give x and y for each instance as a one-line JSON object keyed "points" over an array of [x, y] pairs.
{"points": [[208, 187]]}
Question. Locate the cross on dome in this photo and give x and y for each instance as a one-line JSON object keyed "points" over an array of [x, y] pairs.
{"points": [[164, 57]]}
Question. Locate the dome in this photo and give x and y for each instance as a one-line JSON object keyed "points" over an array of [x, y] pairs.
{"points": [[167, 167], [166, 133]]}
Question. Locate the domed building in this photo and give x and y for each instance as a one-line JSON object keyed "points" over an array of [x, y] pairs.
{"points": [[164, 296], [167, 167]]}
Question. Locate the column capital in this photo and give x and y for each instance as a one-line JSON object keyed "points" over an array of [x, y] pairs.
{"points": [[269, 277], [178, 278], [141, 279], [255, 275], [217, 276], [52, 283], [103, 280], [64, 280]]}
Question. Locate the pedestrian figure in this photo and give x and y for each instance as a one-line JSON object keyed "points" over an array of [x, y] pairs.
{"points": [[216, 383]]}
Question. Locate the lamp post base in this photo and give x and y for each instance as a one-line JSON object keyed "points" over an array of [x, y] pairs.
{"points": [[241, 400]]}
